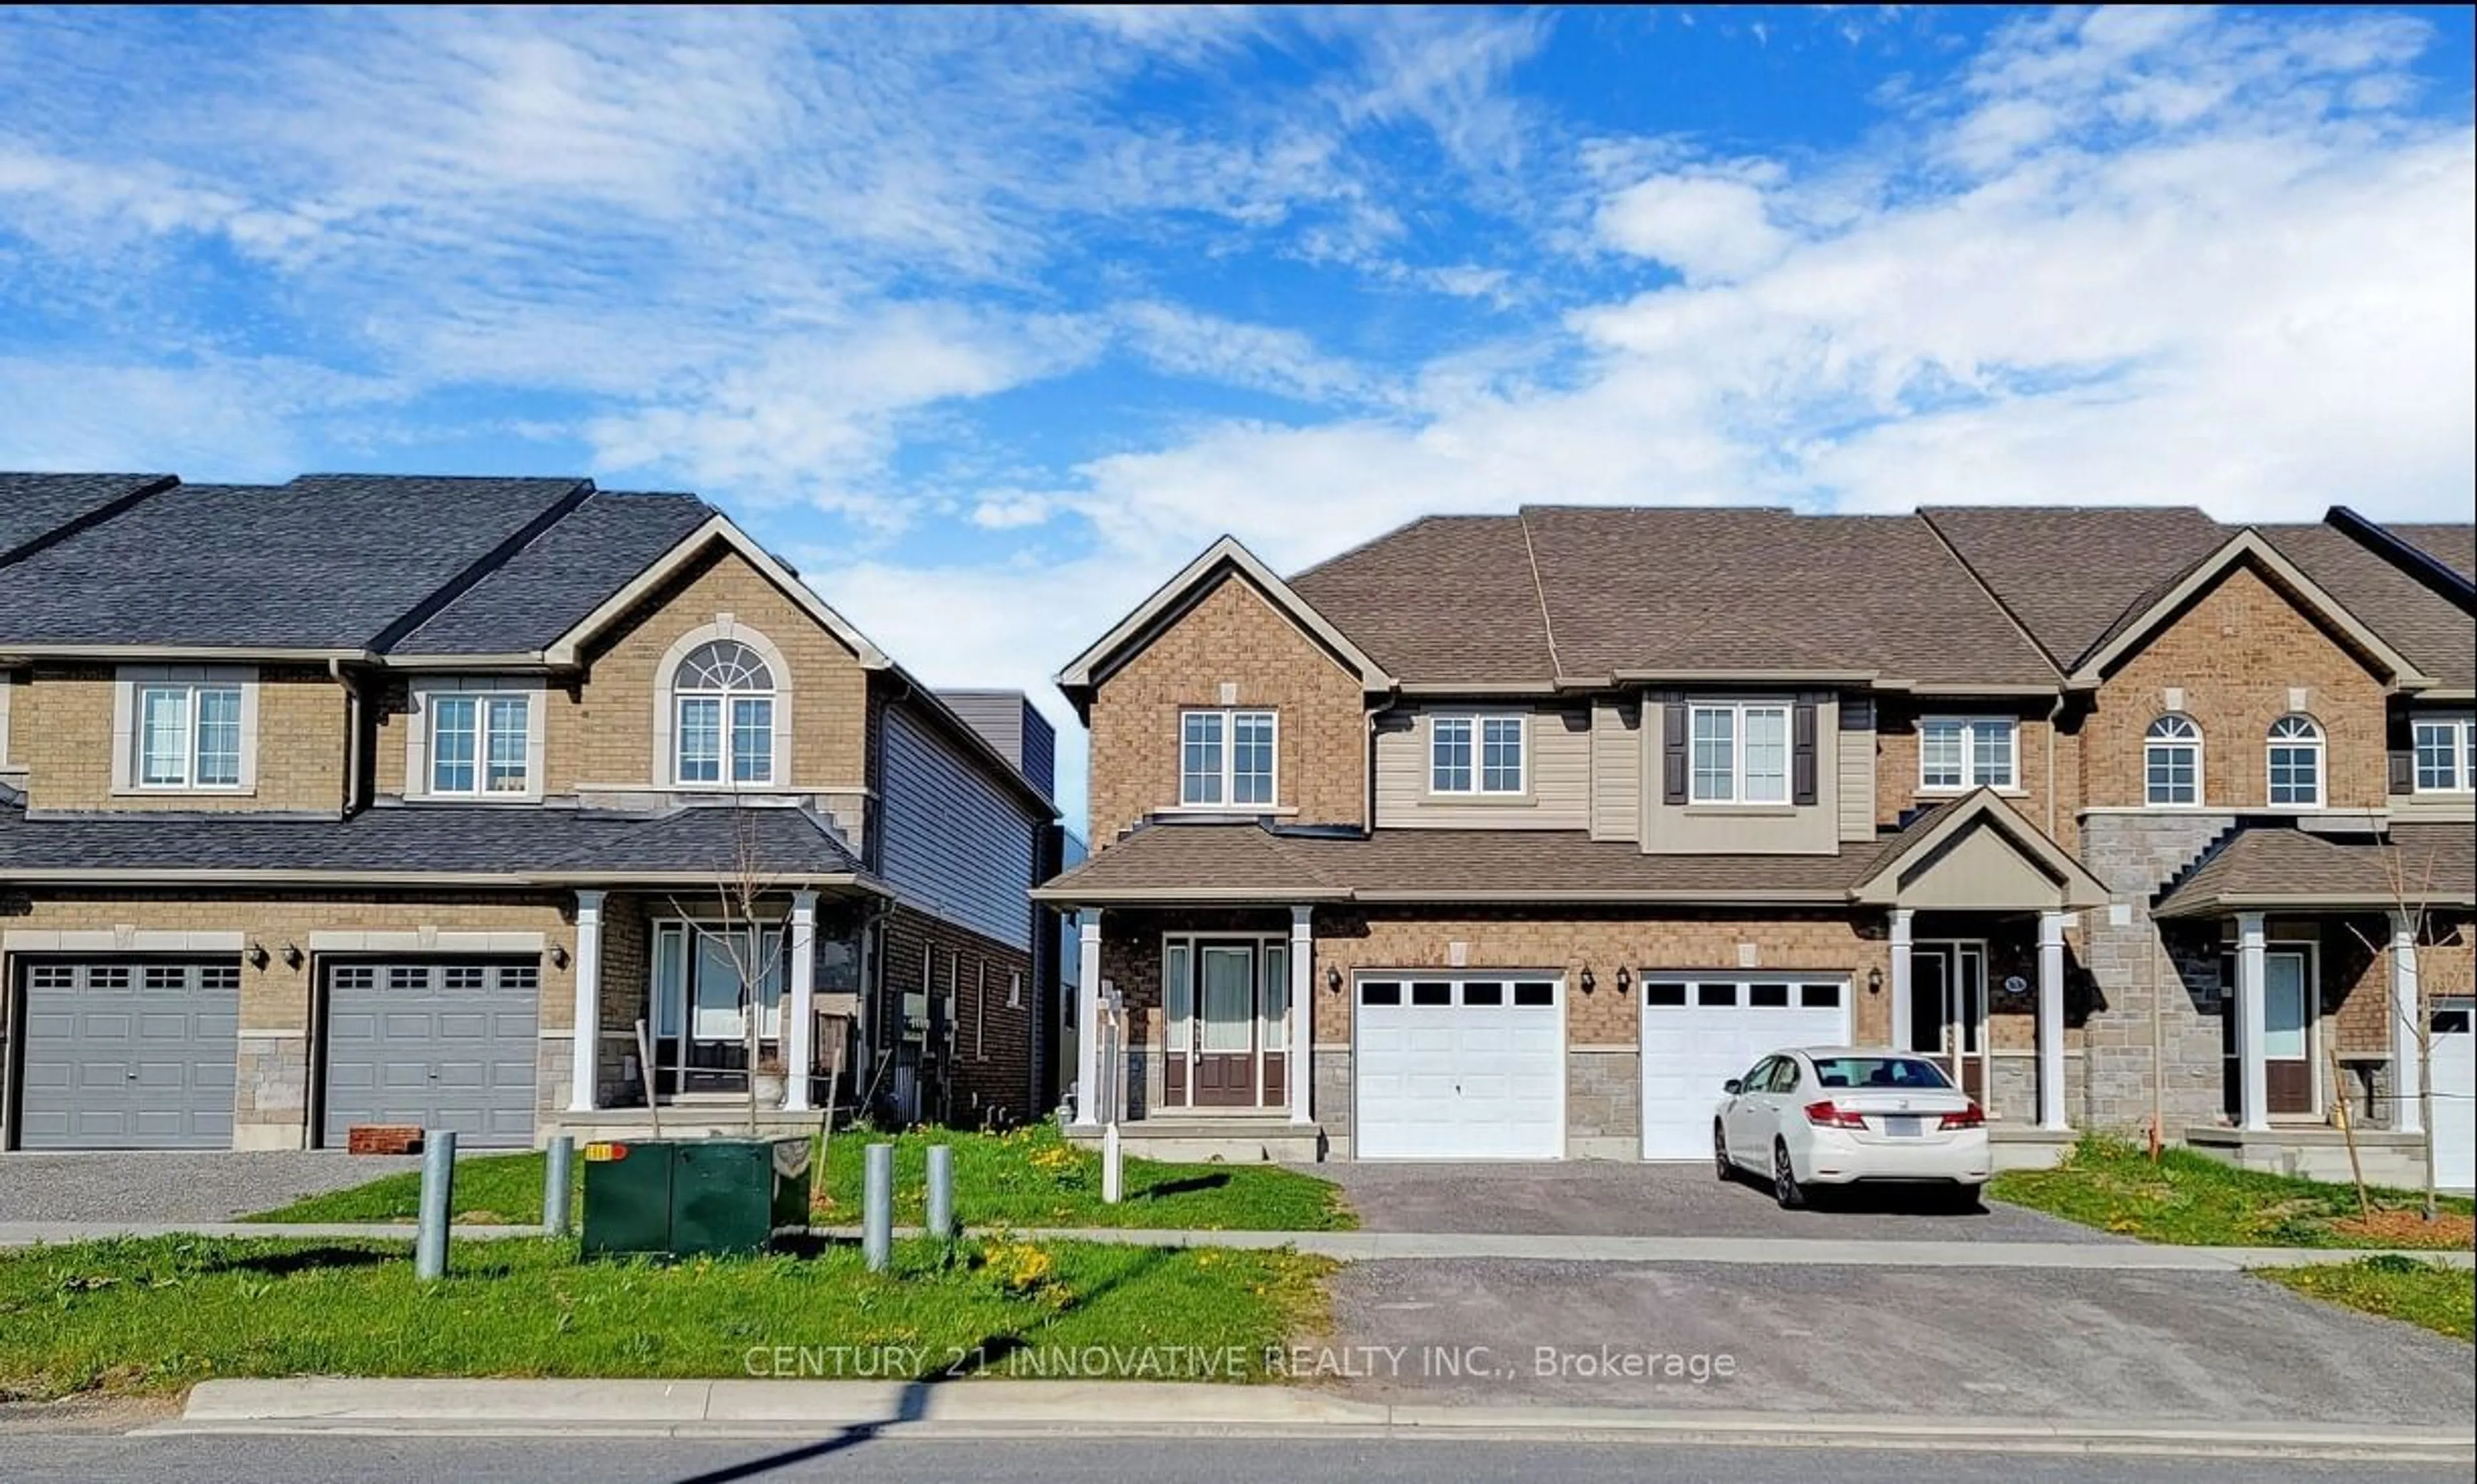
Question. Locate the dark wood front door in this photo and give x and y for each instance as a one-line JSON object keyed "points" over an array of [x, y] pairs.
{"points": [[2290, 1001], [1225, 1026]]}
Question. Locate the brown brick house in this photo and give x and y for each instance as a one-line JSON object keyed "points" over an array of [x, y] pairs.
{"points": [[1513, 836], [354, 800]]}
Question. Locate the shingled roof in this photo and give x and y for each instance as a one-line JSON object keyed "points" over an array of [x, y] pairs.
{"points": [[2072, 575], [2272, 868], [692, 845], [2428, 629], [37, 509], [561, 576]]}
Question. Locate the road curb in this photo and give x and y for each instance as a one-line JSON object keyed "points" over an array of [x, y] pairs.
{"points": [[1003, 1408]]}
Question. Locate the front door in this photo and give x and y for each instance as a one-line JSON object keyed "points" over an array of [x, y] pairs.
{"points": [[1226, 1045], [706, 1004], [1948, 1011], [2287, 1016]]}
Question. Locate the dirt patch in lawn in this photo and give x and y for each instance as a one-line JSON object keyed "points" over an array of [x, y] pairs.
{"points": [[2407, 1228]]}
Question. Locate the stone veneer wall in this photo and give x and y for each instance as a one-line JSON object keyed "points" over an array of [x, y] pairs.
{"points": [[1604, 1104], [2137, 967]]}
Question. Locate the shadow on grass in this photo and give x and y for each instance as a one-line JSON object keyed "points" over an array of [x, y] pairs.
{"points": [[1187, 1186], [309, 1259], [913, 1405]]}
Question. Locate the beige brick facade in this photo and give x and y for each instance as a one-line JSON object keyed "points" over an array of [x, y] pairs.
{"points": [[1232, 637], [61, 729], [1896, 763], [2237, 652]]}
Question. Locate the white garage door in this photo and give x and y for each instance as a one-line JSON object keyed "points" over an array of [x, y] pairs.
{"points": [[1701, 1029], [2454, 1068], [1460, 1066]]}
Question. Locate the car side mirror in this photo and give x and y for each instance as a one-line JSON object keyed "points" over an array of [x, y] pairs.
{"points": [[1733, 1087]]}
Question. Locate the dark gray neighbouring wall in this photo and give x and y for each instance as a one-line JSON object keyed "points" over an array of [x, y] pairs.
{"points": [[1008, 721]]}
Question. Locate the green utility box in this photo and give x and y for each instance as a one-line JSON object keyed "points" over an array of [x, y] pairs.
{"points": [[689, 1198]]}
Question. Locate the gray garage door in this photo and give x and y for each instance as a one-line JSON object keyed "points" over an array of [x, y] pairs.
{"points": [[441, 1045], [129, 1055]]}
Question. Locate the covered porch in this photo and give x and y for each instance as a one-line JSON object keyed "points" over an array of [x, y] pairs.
{"points": [[1978, 903]]}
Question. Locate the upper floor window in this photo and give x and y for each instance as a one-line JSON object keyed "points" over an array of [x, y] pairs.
{"points": [[188, 734], [1227, 758], [1475, 754], [1957, 753], [2171, 756], [2446, 754], [2296, 763], [1738, 754], [480, 743], [723, 693]]}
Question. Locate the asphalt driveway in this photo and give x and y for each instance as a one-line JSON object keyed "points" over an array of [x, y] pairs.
{"points": [[1620, 1199], [2035, 1343], [161, 1186]]}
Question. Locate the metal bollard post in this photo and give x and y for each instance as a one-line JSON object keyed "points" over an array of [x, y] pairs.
{"points": [[558, 1174], [1111, 1176], [942, 1190], [877, 1209], [438, 1201]]}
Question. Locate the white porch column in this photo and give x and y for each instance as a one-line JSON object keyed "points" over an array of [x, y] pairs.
{"points": [[800, 1030], [1302, 1016], [2254, 1088], [586, 1048], [1088, 1016], [2051, 1021], [1900, 1036], [2407, 1017]]}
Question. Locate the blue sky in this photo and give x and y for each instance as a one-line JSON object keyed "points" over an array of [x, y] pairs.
{"points": [[988, 320]]}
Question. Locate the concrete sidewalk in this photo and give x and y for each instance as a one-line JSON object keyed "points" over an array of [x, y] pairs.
{"points": [[1017, 1408], [1389, 1246]]}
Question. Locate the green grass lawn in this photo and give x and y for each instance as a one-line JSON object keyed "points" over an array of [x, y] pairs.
{"points": [[162, 1313], [2191, 1199], [1030, 1177], [2440, 1299]]}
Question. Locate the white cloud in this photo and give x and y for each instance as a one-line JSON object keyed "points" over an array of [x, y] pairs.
{"points": [[1708, 227], [1186, 342]]}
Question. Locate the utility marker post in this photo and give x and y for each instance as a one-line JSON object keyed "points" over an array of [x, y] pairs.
{"points": [[1113, 1010], [558, 1174], [437, 1204], [941, 1191], [877, 1207]]}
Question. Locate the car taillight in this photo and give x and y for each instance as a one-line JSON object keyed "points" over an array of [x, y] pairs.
{"points": [[1967, 1118], [1826, 1115]]}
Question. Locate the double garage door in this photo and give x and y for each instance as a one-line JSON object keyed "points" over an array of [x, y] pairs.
{"points": [[141, 1054], [441, 1045], [1473, 1065]]}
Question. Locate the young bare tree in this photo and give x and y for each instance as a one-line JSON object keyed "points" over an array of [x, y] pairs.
{"points": [[2409, 884], [749, 926]]}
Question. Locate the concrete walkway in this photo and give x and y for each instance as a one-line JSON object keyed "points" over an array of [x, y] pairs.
{"points": [[983, 1407], [1375, 1246]]}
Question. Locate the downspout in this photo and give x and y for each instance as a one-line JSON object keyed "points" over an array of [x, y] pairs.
{"points": [[354, 796], [2054, 713]]}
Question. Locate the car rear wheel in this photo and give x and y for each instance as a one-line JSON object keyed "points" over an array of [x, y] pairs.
{"points": [[1785, 1187], [1728, 1168]]}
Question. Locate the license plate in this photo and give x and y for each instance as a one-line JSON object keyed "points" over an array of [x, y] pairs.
{"points": [[1904, 1128]]}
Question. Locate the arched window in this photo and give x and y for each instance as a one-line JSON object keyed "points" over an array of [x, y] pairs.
{"points": [[723, 729], [2171, 756], [2296, 763]]}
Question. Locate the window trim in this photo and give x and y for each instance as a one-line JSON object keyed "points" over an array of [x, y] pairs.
{"points": [[2463, 731], [1738, 710], [1229, 776], [130, 683], [2318, 744], [2201, 773], [424, 691], [1969, 725], [664, 762], [1478, 722]]}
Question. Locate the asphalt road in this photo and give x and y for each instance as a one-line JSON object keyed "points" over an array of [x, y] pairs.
{"points": [[49, 1457]]}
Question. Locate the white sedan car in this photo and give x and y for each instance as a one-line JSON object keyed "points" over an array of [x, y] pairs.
{"points": [[1836, 1115]]}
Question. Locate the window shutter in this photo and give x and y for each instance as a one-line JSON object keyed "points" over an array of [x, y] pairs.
{"points": [[2403, 770], [1672, 753], [1801, 752]]}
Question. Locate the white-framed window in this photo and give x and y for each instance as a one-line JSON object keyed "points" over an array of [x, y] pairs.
{"points": [[1968, 752], [2295, 763], [2446, 754], [188, 734], [1477, 755], [481, 743], [2172, 761], [1228, 759], [1738, 752], [723, 720]]}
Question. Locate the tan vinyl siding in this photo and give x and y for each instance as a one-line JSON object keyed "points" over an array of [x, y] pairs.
{"points": [[1616, 770], [1744, 829], [1857, 770], [1558, 769]]}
